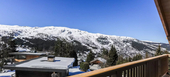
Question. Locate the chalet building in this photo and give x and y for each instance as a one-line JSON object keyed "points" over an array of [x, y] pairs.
{"points": [[97, 63], [42, 67], [98, 60], [22, 56]]}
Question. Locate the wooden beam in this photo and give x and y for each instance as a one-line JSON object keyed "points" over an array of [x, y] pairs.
{"points": [[160, 8]]}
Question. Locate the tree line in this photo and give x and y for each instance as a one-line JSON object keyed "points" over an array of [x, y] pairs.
{"points": [[62, 48], [5, 50], [110, 56]]}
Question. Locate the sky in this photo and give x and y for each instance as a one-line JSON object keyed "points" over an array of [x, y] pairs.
{"points": [[133, 18]]}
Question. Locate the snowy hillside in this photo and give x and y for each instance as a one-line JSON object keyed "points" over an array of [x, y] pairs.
{"points": [[95, 41]]}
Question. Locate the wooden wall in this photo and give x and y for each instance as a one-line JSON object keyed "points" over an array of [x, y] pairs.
{"points": [[31, 57], [32, 74], [27, 58]]}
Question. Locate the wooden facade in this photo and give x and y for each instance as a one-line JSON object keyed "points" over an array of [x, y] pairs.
{"points": [[163, 7], [96, 62], [22, 56], [32, 74], [28, 57], [31, 56]]}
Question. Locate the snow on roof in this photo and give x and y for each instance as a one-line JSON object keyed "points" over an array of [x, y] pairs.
{"points": [[20, 49], [42, 63], [27, 53], [95, 67], [100, 59]]}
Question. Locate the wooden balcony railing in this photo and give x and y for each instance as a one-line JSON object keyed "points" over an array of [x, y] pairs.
{"points": [[150, 67]]}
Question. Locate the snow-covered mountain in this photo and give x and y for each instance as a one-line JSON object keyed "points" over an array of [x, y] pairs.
{"points": [[95, 41]]}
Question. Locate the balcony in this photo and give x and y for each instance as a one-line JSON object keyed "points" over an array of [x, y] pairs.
{"points": [[150, 67]]}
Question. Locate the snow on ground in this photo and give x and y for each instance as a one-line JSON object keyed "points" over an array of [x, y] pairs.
{"points": [[75, 70], [7, 73], [20, 49]]}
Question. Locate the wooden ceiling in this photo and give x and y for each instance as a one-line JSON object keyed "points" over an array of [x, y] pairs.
{"points": [[163, 7]]}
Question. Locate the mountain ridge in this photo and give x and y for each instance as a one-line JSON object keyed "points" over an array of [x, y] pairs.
{"points": [[94, 41]]}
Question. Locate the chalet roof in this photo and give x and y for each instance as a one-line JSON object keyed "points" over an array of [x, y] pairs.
{"points": [[41, 64], [20, 49], [100, 59], [163, 7], [27, 53], [95, 67]]}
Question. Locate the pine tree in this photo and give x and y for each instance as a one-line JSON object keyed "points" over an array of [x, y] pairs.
{"points": [[81, 65], [90, 57], [65, 49], [73, 54], [113, 57], [1, 63], [120, 60], [137, 57], [130, 59], [158, 51], [84, 66], [166, 52], [146, 55], [105, 51], [61, 48], [4, 54], [70, 50], [57, 47], [12, 45]]}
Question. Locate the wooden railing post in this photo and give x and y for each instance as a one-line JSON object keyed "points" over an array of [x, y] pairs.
{"points": [[146, 68], [159, 67], [119, 73], [131, 72]]}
